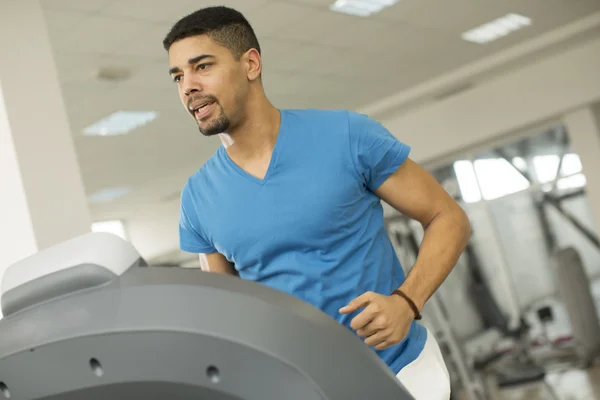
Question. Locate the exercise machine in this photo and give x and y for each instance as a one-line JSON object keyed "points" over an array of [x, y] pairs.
{"points": [[574, 288], [508, 370], [89, 319]]}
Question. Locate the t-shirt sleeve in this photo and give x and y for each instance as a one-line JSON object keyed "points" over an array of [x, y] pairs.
{"points": [[191, 238], [376, 153]]}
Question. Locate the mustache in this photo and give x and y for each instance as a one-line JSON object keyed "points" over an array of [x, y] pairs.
{"points": [[202, 98]]}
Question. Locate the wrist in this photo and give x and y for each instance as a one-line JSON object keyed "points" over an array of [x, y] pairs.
{"points": [[413, 287], [403, 296]]}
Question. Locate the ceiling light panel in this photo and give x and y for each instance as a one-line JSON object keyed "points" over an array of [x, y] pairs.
{"points": [[120, 123], [496, 29], [361, 8], [108, 194]]}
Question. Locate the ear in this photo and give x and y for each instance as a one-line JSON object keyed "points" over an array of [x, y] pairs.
{"points": [[253, 64]]}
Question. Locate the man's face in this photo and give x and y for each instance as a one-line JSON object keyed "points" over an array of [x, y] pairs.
{"points": [[211, 82]]}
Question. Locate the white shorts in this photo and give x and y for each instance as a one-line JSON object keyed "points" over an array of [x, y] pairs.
{"points": [[427, 377]]}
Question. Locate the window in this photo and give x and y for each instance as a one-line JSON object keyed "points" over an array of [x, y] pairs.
{"points": [[571, 164], [497, 178], [546, 166], [520, 163], [514, 167], [467, 181], [571, 182], [488, 178]]}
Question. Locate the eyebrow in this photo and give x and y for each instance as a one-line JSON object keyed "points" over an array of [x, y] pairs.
{"points": [[191, 61]]}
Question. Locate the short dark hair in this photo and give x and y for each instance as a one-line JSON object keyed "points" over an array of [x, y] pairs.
{"points": [[226, 26]]}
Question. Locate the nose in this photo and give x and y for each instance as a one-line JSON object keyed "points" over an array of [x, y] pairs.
{"points": [[190, 85], [188, 92]]}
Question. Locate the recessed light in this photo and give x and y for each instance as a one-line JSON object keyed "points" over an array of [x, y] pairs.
{"points": [[108, 194], [120, 123], [496, 29], [361, 8], [113, 74]]}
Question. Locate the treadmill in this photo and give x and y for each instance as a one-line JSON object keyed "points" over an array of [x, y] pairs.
{"points": [[88, 319]]}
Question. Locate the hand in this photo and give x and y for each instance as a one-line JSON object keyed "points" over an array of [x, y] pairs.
{"points": [[385, 320]]}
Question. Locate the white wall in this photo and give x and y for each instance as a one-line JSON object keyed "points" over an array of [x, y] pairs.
{"points": [[154, 231], [17, 236], [42, 197], [509, 103]]}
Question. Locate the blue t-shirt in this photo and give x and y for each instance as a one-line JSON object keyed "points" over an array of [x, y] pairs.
{"points": [[312, 227]]}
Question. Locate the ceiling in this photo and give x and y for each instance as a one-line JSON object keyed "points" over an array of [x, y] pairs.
{"points": [[312, 57]]}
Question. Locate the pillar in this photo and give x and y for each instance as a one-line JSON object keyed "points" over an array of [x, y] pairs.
{"points": [[42, 197], [583, 129]]}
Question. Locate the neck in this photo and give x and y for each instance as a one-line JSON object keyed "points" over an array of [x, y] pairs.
{"points": [[257, 133]]}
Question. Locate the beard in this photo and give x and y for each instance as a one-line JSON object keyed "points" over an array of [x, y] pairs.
{"points": [[220, 124]]}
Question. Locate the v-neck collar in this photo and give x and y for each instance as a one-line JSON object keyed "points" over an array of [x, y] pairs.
{"points": [[272, 162]]}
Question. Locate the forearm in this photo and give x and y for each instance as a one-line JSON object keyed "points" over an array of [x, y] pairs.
{"points": [[445, 238]]}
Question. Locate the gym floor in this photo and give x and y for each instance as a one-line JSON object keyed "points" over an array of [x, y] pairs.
{"points": [[569, 385]]}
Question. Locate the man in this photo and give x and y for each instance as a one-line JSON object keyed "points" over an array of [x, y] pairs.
{"points": [[292, 199]]}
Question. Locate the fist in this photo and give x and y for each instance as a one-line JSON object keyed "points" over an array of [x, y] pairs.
{"points": [[384, 320]]}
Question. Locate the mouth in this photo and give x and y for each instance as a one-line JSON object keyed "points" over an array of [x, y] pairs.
{"points": [[201, 110]]}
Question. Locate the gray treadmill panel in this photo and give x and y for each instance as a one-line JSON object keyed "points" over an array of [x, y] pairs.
{"points": [[201, 364], [60, 283], [172, 325], [143, 391]]}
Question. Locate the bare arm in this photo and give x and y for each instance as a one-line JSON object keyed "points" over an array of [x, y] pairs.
{"points": [[216, 262], [415, 193]]}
